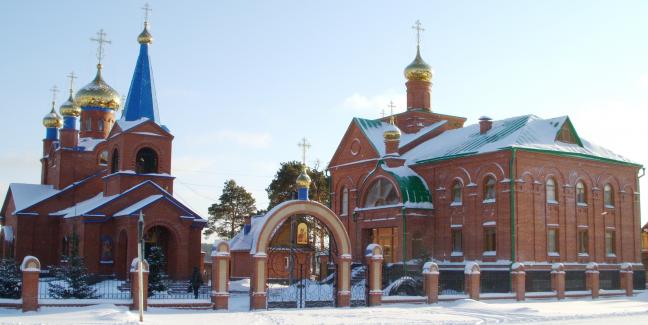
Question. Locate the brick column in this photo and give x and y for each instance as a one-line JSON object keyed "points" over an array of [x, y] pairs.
{"points": [[431, 282], [472, 277], [220, 274], [519, 281], [30, 268], [592, 279], [135, 283], [344, 281], [626, 278], [558, 279], [258, 298], [323, 263], [374, 255]]}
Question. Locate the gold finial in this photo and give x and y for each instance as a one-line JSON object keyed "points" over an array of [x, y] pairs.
{"points": [[419, 29], [145, 36], [303, 180], [53, 120], [69, 108], [101, 39], [392, 133]]}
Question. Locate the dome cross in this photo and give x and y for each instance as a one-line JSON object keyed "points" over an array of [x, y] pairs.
{"points": [[419, 29], [54, 90], [147, 10], [71, 76], [304, 145], [101, 40]]}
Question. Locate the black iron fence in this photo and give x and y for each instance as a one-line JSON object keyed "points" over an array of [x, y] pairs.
{"points": [[495, 281], [575, 281], [180, 290], [610, 280], [639, 280], [451, 282], [53, 288], [538, 281]]}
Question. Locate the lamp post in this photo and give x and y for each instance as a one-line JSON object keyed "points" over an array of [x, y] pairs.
{"points": [[140, 264]]}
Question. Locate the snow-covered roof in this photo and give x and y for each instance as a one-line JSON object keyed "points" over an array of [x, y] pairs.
{"points": [[84, 207], [138, 206], [126, 125], [528, 131], [89, 144], [374, 131], [25, 195], [243, 241]]}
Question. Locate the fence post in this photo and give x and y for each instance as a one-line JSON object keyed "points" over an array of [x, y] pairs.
{"points": [[220, 274], [592, 279], [558, 279], [30, 268], [626, 278], [374, 255], [519, 280], [134, 283], [344, 280], [431, 282], [258, 294], [472, 276]]}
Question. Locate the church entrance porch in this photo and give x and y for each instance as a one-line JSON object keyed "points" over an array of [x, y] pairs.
{"points": [[162, 237]]}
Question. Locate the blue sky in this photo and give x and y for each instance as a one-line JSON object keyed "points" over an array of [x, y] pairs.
{"points": [[239, 83]]}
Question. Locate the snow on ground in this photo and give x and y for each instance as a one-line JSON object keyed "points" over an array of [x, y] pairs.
{"points": [[605, 310]]}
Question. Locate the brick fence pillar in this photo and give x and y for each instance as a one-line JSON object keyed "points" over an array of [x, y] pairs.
{"points": [[220, 274], [135, 289], [472, 277], [592, 279], [558, 279], [519, 280], [344, 281], [374, 255], [626, 278], [30, 268], [431, 282], [258, 295]]}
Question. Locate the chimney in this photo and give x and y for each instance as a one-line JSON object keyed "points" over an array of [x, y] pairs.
{"points": [[485, 124], [247, 226]]}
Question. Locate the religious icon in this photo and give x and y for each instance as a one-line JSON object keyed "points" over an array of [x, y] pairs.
{"points": [[106, 249], [302, 234]]}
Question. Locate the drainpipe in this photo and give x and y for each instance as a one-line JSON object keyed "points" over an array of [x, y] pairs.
{"points": [[512, 201], [403, 215]]}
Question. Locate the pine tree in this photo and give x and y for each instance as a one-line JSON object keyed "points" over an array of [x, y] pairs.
{"points": [[157, 262], [227, 217], [72, 278], [283, 187], [10, 279]]}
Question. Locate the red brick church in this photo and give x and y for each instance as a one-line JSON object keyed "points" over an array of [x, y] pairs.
{"points": [[522, 189], [98, 173]]}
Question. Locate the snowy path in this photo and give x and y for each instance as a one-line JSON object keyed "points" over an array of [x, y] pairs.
{"points": [[611, 310]]}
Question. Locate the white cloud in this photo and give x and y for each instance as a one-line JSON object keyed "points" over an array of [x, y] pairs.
{"points": [[376, 103]]}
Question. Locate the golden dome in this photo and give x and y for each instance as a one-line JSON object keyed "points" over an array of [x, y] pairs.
{"points": [[392, 133], [52, 119], [70, 108], [418, 70], [145, 37], [303, 180], [98, 93]]}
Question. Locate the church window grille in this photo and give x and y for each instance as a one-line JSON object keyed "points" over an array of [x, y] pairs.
{"points": [[146, 161], [381, 193]]}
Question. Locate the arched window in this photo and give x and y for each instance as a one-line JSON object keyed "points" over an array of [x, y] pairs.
{"points": [[88, 125], [344, 209], [457, 192], [146, 161], [100, 125], [581, 197], [114, 164], [489, 189], [608, 196], [381, 192], [551, 190]]}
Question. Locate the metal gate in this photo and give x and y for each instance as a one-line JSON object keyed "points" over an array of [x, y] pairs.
{"points": [[295, 285]]}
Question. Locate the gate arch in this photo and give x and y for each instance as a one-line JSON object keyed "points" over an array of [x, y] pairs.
{"points": [[263, 235]]}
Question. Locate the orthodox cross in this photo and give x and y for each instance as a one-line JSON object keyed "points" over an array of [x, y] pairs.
{"points": [[101, 39], [391, 112], [71, 76], [305, 146], [419, 29], [147, 10], [54, 90]]}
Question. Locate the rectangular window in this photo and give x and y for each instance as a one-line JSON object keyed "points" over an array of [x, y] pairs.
{"points": [[457, 241], [490, 240], [610, 242], [583, 242], [552, 241]]}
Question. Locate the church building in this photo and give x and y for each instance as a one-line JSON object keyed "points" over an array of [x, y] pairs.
{"points": [[99, 172], [522, 189]]}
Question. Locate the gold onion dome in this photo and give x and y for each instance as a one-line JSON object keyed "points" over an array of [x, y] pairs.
{"points": [[145, 37], [70, 108], [52, 120], [98, 93], [418, 70], [392, 133], [303, 180]]}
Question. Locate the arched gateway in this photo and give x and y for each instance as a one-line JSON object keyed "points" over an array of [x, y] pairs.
{"points": [[263, 235]]}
